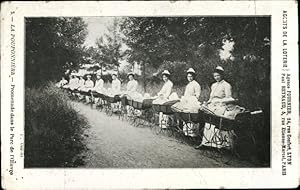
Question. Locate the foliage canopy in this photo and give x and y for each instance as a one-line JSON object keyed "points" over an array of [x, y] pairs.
{"points": [[52, 46]]}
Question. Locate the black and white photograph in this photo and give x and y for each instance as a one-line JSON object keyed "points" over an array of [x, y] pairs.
{"points": [[147, 92], [149, 95]]}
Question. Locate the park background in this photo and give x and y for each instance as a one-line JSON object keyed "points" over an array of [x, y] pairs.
{"points": [[147, 46]]}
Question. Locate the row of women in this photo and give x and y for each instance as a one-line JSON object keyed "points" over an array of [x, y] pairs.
{"points": [[221, 93]]}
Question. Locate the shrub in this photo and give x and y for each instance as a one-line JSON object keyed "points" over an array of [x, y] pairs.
{"points": [[52, 128]]}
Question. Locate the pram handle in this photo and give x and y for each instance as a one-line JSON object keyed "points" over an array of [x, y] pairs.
{"points": [[256, 112]]}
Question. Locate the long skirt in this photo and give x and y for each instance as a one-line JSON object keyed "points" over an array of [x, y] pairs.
{"points": [[214, 137]]}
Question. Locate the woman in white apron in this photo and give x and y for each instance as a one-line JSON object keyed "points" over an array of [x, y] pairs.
{"points": [[193, 88], [99, 85], [73, 83], [132, 84], [115, 90], [167, 87], [88, 85], [62, 82], [131, 91], [191, 96], [220, 93], [80, 86], [163, 95], [115, 84]]}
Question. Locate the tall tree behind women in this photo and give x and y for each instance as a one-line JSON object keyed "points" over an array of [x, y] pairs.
{"points": [[52, 46]]}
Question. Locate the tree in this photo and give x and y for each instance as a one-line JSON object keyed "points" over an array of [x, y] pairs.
{"points": [[159, 42], [111, 48], [52, 46], [167, 42]]}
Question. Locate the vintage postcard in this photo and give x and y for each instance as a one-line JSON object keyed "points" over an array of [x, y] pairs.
{"points": [[144, 94]]}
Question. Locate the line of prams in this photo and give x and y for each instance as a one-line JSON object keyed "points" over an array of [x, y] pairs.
{"points": [[219, 123]]}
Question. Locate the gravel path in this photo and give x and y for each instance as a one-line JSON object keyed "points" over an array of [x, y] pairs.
{"points": [[113, 143]]}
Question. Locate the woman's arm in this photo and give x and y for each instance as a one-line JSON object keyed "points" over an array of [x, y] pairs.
{"points": [[197, 91], [211, 93], [135, 87], [228, 91], [168, 90]]}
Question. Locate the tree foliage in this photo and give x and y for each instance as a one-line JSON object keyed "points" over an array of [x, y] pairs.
{"points": [[109, 48], [52, 46], [172, 42]]}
